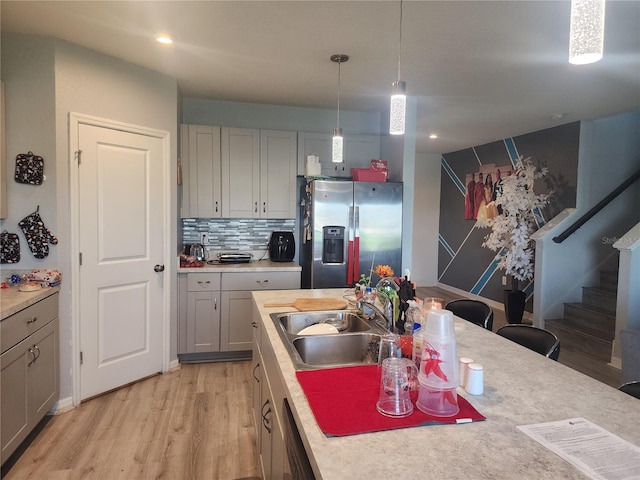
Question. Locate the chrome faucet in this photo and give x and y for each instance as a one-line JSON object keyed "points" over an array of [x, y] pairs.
{"points": [[387, 314]]}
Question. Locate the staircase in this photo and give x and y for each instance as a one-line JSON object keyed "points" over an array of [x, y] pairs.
{"points": [[588, 327]]}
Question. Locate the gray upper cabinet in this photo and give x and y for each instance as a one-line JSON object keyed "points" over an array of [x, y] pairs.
{"points": [[201, 179], [358, 152], [240, 173], [258, 173], [278, 174]]}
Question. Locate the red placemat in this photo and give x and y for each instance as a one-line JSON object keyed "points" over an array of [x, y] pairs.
{"points": [[343, 401]]}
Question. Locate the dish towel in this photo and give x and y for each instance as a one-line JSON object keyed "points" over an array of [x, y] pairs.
{"points": [[343, 400]]}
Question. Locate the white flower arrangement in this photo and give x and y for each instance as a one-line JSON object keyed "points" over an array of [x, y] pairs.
{"points": [[511, 230]]}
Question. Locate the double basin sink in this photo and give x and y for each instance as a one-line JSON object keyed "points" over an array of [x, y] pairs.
{"points": [[356, 343]]}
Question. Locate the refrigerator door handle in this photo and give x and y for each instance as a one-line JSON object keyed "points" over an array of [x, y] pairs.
{"points": [[356, 244], [350, 272]]}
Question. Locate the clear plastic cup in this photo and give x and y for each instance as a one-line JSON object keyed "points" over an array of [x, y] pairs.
{"points": [[439, 402], [398, 375], [439, 359], [389, 347]]}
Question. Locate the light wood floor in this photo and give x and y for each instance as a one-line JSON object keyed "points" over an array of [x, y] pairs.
{"points": [[191, 424]]}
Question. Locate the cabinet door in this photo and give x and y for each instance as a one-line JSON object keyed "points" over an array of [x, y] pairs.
{"points": [[203, 322], [267, 422], [277, 174], [13, 398], [201, 171], [360, 149], [236, 331], [317, 144], [42, 385], [256, 373], [358, 152], [240, 173]]}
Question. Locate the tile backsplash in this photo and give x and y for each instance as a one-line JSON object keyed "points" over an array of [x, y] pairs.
{"points": [[233, 234]]}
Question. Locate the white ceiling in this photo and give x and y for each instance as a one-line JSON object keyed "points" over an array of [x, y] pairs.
{"points": [[480, 70]]}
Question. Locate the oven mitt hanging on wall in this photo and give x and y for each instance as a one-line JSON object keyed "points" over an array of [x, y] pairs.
{"points": [[37, 234], [9, 247], [29, 169]]}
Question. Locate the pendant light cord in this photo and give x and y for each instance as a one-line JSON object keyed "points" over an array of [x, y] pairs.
{"points": [[338, 120], [400, 42]]}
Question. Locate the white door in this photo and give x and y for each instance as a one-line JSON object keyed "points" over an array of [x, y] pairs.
{"points": [[121, 240]]}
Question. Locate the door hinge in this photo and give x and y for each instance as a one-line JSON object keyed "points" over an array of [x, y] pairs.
{"points": [[81, 358], [78, 154], [80, 258]]}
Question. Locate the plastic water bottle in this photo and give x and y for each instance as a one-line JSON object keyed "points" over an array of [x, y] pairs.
{"points": [[368, 312], [417, 344]]}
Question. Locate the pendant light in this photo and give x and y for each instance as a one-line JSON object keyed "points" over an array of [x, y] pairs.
{"points": [[586, 37], [398, 95], [337, 144]]}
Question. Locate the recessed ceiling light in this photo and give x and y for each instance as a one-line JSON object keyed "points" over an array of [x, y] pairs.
{"points": [[556, 116], [433, 136], [164, 39]]}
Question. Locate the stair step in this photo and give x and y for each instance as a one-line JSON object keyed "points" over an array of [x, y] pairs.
{"points": [[580, 341], [590, 319], [609, 280], [599, 297]]}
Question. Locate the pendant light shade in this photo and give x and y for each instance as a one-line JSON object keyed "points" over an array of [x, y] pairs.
{"points": [[337, 144], [586, 37], [398, 107]]}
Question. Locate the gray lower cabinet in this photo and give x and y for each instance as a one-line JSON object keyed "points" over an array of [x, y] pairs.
{"points": [[237, 305], [29, 377], [268, 396], [199, 307], [216, 311]]}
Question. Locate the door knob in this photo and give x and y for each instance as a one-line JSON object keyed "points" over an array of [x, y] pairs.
{"points": [[158, 268]]}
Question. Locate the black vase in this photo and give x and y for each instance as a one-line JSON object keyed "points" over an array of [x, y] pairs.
{"points": [[514, 301]]}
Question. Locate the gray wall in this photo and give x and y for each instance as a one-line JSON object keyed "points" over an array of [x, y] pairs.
{"points": [[462, 261], [46, 79]]}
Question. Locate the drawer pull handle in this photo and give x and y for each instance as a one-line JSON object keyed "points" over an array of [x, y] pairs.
{"points": [[33, 353], [203, 283], [37, 350], [254, 372], [33, 320], [254, 324], [262, 282], [256, 207]]}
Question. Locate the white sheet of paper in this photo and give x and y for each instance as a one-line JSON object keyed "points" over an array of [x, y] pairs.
{"points": [[593, 450]]}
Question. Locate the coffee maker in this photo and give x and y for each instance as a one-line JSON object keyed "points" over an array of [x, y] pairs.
{"points": [[282, 247]]}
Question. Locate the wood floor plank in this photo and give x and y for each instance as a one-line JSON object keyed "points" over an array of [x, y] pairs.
{"points": [[192, 423]]}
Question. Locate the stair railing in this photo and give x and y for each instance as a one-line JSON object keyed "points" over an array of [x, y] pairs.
{"points": [[596, 208]]}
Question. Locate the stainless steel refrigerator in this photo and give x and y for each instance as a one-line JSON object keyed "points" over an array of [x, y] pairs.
{"points": [[345, 228]]}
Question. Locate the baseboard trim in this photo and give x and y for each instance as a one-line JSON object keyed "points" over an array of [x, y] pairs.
{"points": [[63, 405]]}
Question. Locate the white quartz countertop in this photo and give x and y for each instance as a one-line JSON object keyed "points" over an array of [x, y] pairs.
{"points": [[12, 300], [520, 387], [255, 266]]}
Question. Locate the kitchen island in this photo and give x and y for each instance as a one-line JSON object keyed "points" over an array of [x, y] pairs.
{"points": [[521, 387]]}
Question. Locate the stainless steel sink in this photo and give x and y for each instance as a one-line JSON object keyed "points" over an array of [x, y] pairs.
{"points": [[344, 321], [356, 342], [338, 350]]}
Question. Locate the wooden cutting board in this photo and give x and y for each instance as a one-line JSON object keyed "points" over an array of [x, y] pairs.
{"points": [[310, 304]]}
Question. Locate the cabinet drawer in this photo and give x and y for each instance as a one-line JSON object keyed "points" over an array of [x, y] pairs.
{"points": [[17, 327], [203, 282], [261, 281]]}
